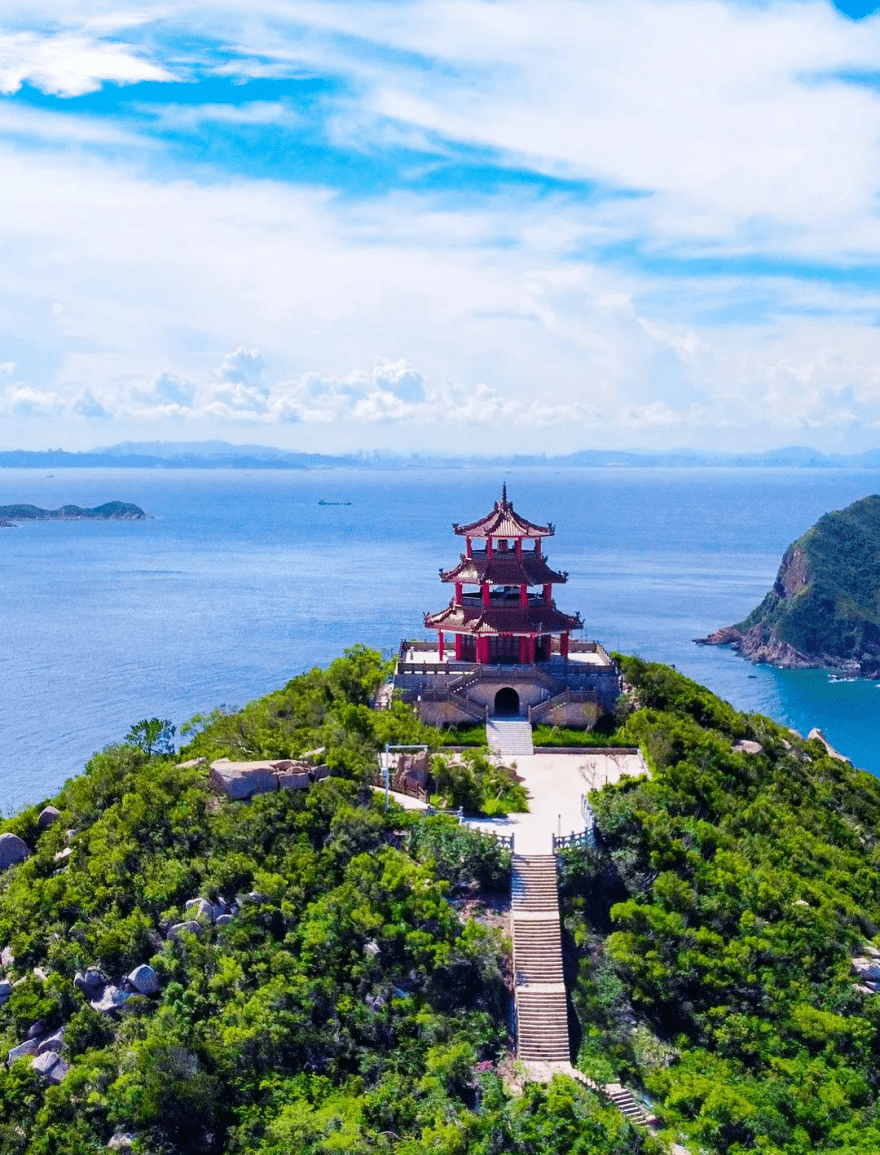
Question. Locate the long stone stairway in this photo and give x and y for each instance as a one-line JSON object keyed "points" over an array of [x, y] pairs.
{"points": [[541, 1010], [510, 737]]}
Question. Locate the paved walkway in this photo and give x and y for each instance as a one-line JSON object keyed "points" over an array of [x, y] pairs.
{"points": [[555, 784]]}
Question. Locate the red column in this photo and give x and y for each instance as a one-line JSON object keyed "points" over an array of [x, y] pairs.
{"points": [[537, 547], [563, 644], [523, 650], [519, 547], [485, 592], [458, 647], [524, 596], [458, 593], [488, 547], [440, 644], [532, 649], [468, 540], [484, 647], [548, 593]]}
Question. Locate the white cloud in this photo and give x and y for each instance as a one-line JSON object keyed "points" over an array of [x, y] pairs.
{"points": [[87, 405], [549, 319], [194, 117], [168, 389], [68, 64], [21, 400]]}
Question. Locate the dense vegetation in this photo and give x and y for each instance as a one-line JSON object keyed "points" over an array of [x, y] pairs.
{"points": [[357, 1000], [826, 599], [712, 928]]}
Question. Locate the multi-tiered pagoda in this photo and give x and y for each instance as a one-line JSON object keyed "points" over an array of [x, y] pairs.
{"points": [[503, 621], [502, 647]]}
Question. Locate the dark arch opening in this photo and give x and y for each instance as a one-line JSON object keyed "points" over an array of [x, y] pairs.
{"points": [[507, 703]]}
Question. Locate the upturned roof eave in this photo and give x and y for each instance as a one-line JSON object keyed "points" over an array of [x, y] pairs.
{"points": [[534, 572], [495, 620], [503, 521]]}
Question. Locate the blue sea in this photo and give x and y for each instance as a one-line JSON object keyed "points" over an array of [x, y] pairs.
{"points": [[240, 581]]}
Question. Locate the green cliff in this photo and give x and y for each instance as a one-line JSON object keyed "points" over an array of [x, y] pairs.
{"points": [[824, 607]]}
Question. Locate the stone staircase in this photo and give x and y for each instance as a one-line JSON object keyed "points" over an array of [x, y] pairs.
{"points": [[541, 1009], [626, 1104], [511, 738]]}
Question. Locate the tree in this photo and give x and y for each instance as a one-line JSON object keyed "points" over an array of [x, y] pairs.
{"points": [[152, 735]]}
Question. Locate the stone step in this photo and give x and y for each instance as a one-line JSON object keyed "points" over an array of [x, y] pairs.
{"points": [[623, 1100], [510, 738]]}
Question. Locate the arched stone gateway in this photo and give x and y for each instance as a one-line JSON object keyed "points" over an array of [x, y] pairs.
{"points": [[507, 703]]}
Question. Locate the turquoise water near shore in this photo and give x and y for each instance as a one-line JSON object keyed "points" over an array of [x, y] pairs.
{"points": [[241, 581]]}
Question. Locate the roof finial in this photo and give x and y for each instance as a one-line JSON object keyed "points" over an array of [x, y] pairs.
{"points": [[504, 491]]}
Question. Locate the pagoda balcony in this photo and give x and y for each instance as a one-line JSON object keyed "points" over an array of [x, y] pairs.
{"points": [[423, 657]]}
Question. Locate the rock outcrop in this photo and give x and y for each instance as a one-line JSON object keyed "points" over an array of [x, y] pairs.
{"points": [[824, 608], [12, 850], [242, 780]]}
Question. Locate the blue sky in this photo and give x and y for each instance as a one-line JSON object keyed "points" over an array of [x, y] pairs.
{"points": [[441, 224]]}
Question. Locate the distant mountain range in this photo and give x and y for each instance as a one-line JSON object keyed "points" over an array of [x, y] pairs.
{"points": [[225, 455]]}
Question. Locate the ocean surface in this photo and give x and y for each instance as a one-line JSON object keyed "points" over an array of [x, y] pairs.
{"points": [[240, 581]]}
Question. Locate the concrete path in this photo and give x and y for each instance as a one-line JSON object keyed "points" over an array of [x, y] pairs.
{"points": [[403, 800], [555, 784]]}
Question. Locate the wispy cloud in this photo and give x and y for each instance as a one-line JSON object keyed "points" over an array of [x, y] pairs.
{"points": [[556, 220]]}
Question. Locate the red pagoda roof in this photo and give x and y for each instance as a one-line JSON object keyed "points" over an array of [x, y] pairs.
{"points": [[503, 521], [534, 619], [503, 569]]}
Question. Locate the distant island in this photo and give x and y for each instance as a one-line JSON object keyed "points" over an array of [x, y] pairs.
{"points": [[10, 515], [824, 608]]}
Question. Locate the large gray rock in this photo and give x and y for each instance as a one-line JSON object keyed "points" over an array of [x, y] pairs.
{"points": [[111, 1000], [5, 991], [816, 734], [122, 1141], [91, 983], [201, 909], [28, 1047], [188, 927], [867, 969], [53, 1042], [12, 850], [223, 920], [240, 780], [7, 958], [47, 817], [144, 980], [51, 1066], [747, 746]]}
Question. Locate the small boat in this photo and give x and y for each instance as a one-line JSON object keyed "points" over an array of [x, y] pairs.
{"points": [[334, 502]]}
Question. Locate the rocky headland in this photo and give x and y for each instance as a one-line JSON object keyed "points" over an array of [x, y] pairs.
{"points": [[11, 515], [824, 608]]}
